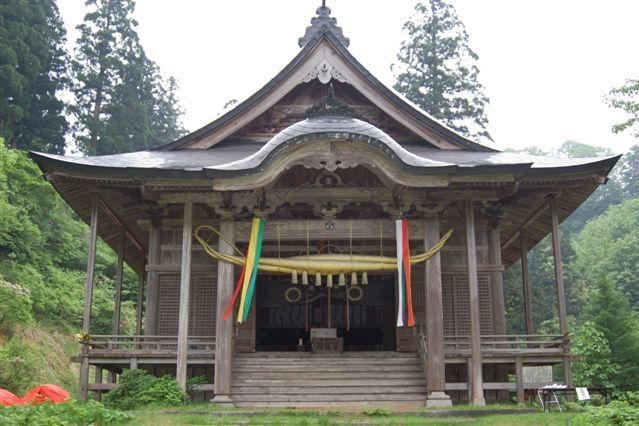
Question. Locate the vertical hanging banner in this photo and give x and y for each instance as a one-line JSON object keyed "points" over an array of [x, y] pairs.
{"points": [[405, 298], [246, 283]]}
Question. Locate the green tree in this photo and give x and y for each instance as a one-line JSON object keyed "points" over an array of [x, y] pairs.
{"points": [[611, 315], [121, 103], [608, 246], [438, 71], [594, 368], [32, 75], [626, 98]]}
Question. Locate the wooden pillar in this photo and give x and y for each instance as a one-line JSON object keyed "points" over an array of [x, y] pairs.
{"points": [[436, 367], [88, 299], [525, 282], [497, 279], [561, 295], [185, 293], [139, 305], [119, 274], [224, 328], [498, 304], [519, 378], [153, 280], [98, 380], [476, 379]]}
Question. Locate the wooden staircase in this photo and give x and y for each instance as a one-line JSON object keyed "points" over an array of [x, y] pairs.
{"points": [[352, 379]]}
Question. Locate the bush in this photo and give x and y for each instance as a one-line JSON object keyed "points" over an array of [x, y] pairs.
{"points": [[619, 413], [137, 388], [68, 413]]}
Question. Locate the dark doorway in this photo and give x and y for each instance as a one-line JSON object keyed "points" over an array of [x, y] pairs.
{"points": [[286, 312]]}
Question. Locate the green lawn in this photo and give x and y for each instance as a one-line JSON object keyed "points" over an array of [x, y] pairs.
{"points": [[337, 418]]}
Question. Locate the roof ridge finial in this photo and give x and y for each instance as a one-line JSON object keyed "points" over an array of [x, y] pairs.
{"points": [[321, 24]]}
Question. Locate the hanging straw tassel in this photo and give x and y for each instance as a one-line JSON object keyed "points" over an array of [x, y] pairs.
{"points": [[364, 278], [304, 278], [294, 277], [329, 281], [353, 278], [342, 279], [318, 279]]}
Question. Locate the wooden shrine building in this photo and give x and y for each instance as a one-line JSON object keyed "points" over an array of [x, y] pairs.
{"points": [[329, 158]]}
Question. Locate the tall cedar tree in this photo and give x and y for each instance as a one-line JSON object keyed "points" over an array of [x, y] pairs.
{"points": [[437, 70], [32, 74], [122, 103]]}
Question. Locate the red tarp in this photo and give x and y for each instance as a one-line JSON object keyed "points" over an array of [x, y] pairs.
{"points": [[45, 393], [7, 398]]}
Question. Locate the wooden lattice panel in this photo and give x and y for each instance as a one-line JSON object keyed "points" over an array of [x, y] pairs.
{"points": [[201, 310], [485, 304], [456, 305], [448, 305]]}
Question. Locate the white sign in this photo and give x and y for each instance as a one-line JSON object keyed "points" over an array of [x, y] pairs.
{"points": [[582, 394]]}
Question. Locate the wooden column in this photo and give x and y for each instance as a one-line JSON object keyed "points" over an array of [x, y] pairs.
{"points": [[525, 282], [224, 328], [185, 293], [436, 367], [497, 279], [119, 273], [476, 379], [561, 295], [519, 378], [98, 380], [139, 305], [88, 299], [151, 312], [497, 292]]}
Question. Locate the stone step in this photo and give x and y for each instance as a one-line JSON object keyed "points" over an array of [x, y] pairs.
{"points": [[408, 405]]}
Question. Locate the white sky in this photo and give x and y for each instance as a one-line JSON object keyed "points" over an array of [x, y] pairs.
{"points": [[545, 64]]}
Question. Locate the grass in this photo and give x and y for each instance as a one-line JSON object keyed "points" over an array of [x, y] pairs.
{"points": [[374, 417]]}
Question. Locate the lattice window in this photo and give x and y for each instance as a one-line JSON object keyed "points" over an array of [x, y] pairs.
{"points": [[448, 305], [485, 305], [201, 310], [456, 305]]}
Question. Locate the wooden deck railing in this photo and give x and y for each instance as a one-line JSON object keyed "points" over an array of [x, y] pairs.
{"points": [[510, 343], [121, 343]]}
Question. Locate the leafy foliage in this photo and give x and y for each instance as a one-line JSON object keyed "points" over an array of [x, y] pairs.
{"points": [[68, 413], [438, 71], [595, 368], [619, 413], [626, 98], [33, 70], [15, 307], [137, 388], [121, 103]]}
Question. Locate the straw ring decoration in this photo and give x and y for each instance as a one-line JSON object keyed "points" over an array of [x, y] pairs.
{"points": [[323, 264]]}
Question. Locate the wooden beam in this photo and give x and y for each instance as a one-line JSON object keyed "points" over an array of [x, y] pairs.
{"points": [[526, 224], [523, 245], [88, 296], [119, 274], [185, 292], [436, 374], [224, 328], [119, 222], [153, 281], [561, 294], [476, 378]]}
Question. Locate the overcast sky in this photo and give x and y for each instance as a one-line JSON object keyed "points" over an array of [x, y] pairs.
{"points": [[545, 64]]}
